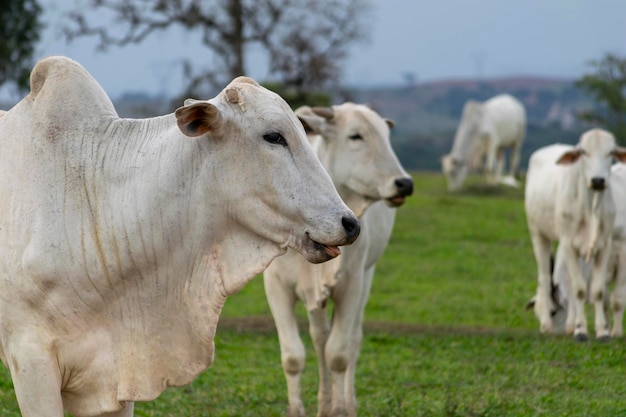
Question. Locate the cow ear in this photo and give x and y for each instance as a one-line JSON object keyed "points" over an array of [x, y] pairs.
{"points": [[570, 157], [190, 101], [307, 127], [199, 118], [390, 123], [313, 124], [325, 112], [619, 154]]}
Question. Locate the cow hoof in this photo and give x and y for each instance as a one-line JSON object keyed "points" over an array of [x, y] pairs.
{"points": [[295, 411], [604, 339], [581, 337]]}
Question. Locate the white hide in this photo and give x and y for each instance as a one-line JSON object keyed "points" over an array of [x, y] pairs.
{"points": [[486, 130], [120, 239], [354, 147], [563, 205]]}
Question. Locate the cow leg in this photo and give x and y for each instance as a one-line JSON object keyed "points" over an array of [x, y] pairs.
{"points": [[542, 249], [344, 342], [319, 330], [516, 151], [37, 380], [578, 285], [357, 338], [618, 297], [492, 151], [282, 302], [561, 278], [598, 291], [499, 163], [127, 411]]}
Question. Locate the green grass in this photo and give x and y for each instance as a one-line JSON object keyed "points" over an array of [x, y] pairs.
{"points": [[446, 331]]}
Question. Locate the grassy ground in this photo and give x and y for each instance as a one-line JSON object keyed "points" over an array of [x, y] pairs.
{"points": [[446, 332]]}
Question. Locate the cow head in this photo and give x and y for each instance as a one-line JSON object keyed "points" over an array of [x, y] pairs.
{"points": [[354, 146], [595, 152], [265, 172], [455, 171], [465, 144]]}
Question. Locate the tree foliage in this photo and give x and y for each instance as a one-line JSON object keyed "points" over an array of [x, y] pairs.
{"points": [[305, 41], [607, 86], [19, 32]]}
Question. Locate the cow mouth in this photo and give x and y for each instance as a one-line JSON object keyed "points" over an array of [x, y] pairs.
{"points": [[331, 250], [317, 252], [396, 201]]}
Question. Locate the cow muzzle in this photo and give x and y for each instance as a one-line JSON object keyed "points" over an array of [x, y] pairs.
{"points": [[598, 183], [404, 187]]}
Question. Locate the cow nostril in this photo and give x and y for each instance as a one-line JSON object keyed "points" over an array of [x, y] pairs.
{"points": [[597, 183], [352, 227], [404, 186]]}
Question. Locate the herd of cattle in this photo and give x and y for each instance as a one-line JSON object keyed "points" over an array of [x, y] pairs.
{"points": [[120, 235], [574, 195]]}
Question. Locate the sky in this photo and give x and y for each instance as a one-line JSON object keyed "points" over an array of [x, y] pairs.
{"points": [[429, 39]]}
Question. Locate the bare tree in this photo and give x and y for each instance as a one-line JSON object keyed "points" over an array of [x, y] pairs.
{"points": [[305, 41]]}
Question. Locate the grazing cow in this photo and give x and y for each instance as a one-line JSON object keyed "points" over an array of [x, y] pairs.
{"points": [[569, 200], [120, 239], [352, 142], [487, 129]]}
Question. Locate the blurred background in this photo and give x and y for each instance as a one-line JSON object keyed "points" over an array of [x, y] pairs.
{"points": [[415, 61]]}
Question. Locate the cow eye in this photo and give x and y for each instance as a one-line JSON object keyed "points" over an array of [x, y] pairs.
{"points": [[356, 136], [275, 138]]}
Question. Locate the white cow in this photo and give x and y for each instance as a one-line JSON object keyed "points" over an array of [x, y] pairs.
{"points": [[353, 145], [569, 200], [120, 239], [616, 268], [489, 129]]}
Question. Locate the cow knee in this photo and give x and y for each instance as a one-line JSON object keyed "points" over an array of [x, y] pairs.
{"points": [[293, 364], [338, 363], [617, 306], [598, 296]]}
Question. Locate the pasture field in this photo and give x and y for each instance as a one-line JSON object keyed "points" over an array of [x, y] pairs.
{"points": [[446, 331]]}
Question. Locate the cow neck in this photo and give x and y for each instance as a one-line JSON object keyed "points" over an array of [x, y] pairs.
{"points": [[596, 211], [190, 256]]}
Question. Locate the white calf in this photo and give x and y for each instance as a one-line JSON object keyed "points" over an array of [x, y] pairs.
{"points": [[568, 199], [353, 145]]}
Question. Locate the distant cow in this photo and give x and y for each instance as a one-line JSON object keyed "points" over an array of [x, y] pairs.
{"points": [[487, 129], [352, 142], [120, 239], [569, 200]]}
